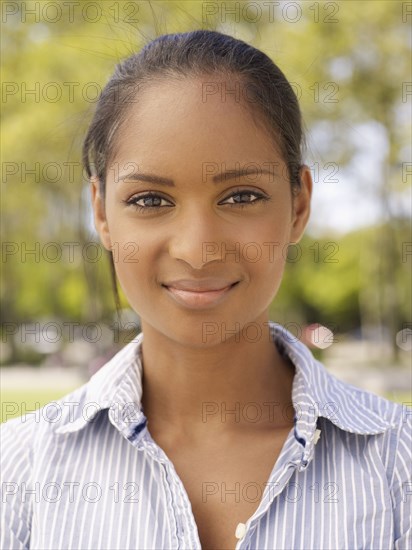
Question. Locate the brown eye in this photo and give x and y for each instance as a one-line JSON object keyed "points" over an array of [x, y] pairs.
{"points": [[151, 201], [241, 193]]}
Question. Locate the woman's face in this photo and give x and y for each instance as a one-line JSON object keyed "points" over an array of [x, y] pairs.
{"points": [[209, 230]]}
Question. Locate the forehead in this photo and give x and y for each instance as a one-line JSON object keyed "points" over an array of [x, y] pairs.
{"points": [[198, 118]]}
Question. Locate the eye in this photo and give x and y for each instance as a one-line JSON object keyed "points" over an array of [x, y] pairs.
{"points": [[151, 201], [237, 198]]}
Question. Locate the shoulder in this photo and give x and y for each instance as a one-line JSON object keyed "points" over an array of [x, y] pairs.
{"points": [[22, 434], [24, 442], [386, 425], [376, 434], [365, 412], [395, 415], [389, 412], [27, 433], [319, 393]]}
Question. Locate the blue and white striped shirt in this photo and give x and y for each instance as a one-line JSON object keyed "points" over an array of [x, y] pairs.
{"points": [[84, 473]]}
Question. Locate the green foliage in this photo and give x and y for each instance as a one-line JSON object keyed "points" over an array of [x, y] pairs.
{"points": [[75, 59]]}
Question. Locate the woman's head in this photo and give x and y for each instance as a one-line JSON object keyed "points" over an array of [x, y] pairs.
{"points": [[263, 87], [194, 108]]}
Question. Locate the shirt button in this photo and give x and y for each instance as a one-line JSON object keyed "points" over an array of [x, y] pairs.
{"points": [[240, 530]]}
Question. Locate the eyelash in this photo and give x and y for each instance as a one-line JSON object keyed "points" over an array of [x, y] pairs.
{"points": [[144, 209]]}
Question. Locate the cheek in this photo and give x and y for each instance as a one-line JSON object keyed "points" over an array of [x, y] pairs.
{"points": [[136, 272], [265, 257], [265, 263], [134, 259], [267, 243], [133, 253]]}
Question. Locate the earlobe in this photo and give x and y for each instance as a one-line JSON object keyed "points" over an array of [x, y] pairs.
{"points": [[302, 205], [99, 214]]}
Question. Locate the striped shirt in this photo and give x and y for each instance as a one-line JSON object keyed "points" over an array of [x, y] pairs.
{"points": [[84, 473]]}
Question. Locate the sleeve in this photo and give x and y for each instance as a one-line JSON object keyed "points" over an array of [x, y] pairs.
{"points": [[15, 469], [401, 484]]}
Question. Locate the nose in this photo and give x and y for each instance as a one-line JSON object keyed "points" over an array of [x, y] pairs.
{"points": [[197, 238]]}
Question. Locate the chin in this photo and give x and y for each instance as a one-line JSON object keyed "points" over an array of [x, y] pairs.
{"points": [[202, 332]]}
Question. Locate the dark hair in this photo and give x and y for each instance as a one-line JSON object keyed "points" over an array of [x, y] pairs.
{"points": [[189, 54]]}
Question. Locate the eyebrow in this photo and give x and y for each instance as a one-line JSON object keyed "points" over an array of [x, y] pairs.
{"points": [[218, 178]]}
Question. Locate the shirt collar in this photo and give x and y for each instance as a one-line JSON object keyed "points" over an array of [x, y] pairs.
{"points": [[318, 393], [117, 386]]}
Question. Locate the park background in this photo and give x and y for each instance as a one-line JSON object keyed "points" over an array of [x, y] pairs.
{"points": [[349, 63]]}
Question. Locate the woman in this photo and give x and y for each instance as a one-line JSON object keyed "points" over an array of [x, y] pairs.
{"points": [[214, 428]]}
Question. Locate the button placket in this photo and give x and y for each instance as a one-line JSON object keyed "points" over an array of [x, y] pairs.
{"points": [[307, 455], [279, 478], [240, 531], [246, 530], [187, 537], [170, 502]]}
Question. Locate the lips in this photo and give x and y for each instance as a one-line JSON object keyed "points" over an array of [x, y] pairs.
{"points": [[206, 296], [200, 285]]}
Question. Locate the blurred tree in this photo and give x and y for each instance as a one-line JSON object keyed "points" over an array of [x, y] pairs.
{"points": [[349, 63]]}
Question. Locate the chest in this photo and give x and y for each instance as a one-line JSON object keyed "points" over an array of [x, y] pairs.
{"points": [[225, 483], [101, 491]]}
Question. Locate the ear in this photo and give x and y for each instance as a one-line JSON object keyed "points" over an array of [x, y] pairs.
{"points": [[301, 205], [99, 214]]}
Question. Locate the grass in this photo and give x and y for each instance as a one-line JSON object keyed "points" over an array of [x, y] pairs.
{"points": [[400, 397], [19, 402]]}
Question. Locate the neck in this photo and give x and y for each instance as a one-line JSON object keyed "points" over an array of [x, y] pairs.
{"points": [[222, 388]]}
